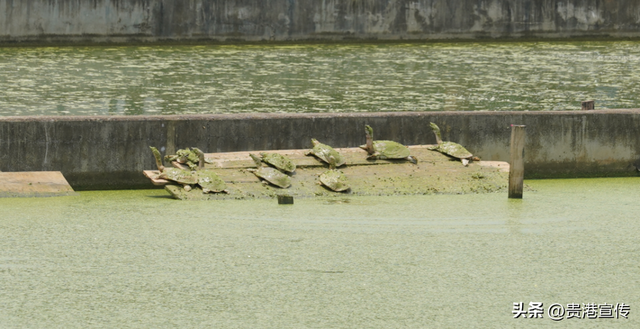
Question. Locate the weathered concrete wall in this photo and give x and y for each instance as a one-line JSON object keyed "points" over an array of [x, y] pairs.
{"points": [[41, 21], [111, 152]]}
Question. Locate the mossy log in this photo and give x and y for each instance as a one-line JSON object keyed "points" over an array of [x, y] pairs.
{"points": [[434, 173]]}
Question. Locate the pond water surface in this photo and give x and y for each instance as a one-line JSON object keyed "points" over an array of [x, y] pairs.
{"points": [[135, 80], [138, 259]]}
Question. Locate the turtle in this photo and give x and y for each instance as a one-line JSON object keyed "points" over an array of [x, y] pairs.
{"points": [[207, 180], [187, 156], [324, 151], [385, 149], [181, 176], [451, 149], [211, 182], [333, 178], [270, 174], [279, 161]]}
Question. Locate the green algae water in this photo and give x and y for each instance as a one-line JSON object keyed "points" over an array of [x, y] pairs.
{"points": [[534, 76], [131, 259]]}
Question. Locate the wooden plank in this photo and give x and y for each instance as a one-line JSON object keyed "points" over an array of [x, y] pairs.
{"points": [[153, 176], [34, 184]]}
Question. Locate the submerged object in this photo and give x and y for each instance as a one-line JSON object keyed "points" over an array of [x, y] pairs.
{"points": [[324, 151], [285, 199], [451, 149], [269, 174], [385, 149], [333, 178]]}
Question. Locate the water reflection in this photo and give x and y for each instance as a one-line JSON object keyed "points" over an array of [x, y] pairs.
{"points": [[318, 78]]}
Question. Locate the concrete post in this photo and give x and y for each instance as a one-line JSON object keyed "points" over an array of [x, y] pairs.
{"points": [[588, 105]]}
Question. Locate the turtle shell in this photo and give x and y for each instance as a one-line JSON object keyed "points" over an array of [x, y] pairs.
{"points": [[180, 176], [391, 150], [324, 151], [335, 180], [210, 182], [453, 149], [273, 176], [185, 156], [279, 161]]}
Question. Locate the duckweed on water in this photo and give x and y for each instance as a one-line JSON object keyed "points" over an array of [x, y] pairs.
{"points": [[139, 259], [134, 80]]}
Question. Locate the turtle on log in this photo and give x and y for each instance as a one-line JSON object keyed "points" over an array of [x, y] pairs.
{"points": [[183, 177], [451, 149], [188, 156], [269, 174], [324, 151], [279, 161], [385, 149], [207, 180], [333, 178]]}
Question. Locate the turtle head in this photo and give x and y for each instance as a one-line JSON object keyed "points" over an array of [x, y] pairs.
{"points": [[256, 159], [436, 131], [156, 154], [200, 155], [369, 131], [314, 142]]}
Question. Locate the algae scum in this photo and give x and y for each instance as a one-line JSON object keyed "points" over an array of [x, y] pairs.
{"points": [[138, 259], [318, 78]]}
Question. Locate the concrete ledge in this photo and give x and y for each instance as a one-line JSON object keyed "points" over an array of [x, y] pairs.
{"points": [[132, 21], [34, 184], [110, 152]]}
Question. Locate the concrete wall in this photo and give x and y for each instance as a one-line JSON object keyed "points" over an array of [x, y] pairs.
{"points": [[42, 21], [111, 152]]}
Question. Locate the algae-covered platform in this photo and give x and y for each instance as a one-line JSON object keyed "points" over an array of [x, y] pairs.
{"points": [[434, 173], [34, 184]]}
